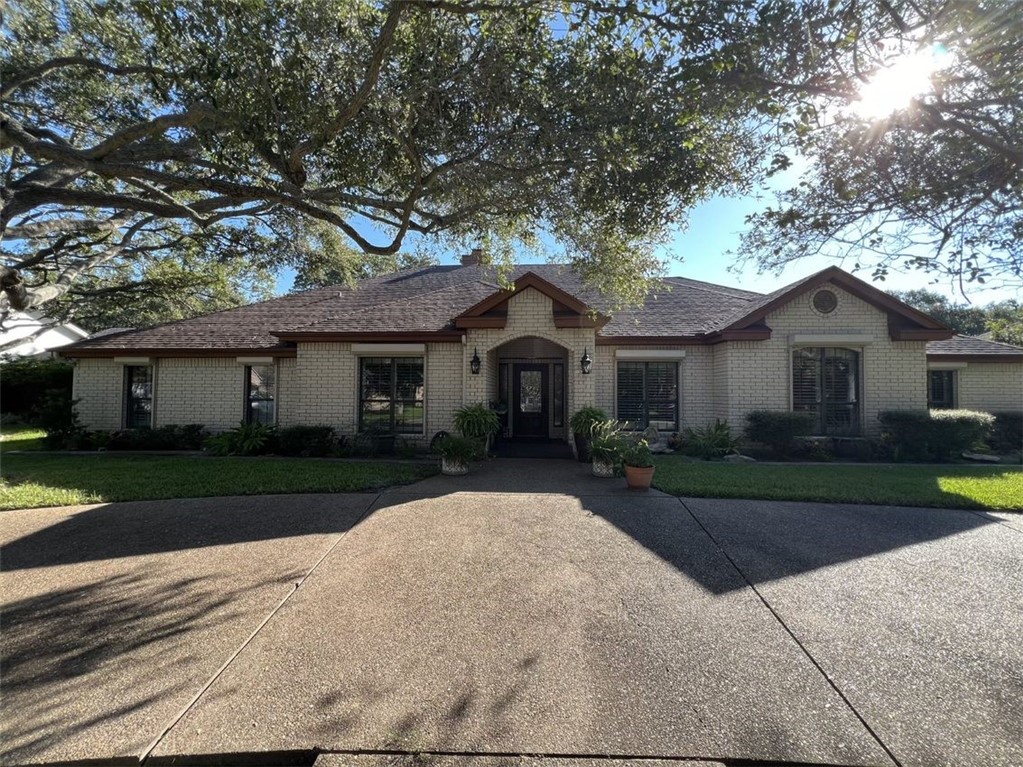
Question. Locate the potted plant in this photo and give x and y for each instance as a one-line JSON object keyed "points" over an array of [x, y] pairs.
{"points": [[581, 424], [639, 465], [455, 454], [478, 423], [605, 445]]}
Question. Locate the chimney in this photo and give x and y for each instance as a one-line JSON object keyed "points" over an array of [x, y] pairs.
{"points": [[475, 258]]}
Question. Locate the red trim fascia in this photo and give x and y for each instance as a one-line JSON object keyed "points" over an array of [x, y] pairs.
{"points": [[177, 353], [481, 322], [527, 280], [440, 336], [857, 287]]}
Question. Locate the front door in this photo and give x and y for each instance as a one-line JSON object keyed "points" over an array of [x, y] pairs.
{"points": [[529, 400]]}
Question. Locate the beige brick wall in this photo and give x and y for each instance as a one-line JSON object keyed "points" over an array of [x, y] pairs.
{"points": [[990, 386], [99, 388], [206, 390], [287, 383], [530, 313], [209, 391], [323, 387], [696, 376], [751, 375]]}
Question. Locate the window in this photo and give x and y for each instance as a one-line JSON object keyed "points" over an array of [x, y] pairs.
{"points": [[559, 394], [138, 396], [941, 389], [648, 394], [260, 390], [825, 384], [391, 394]]}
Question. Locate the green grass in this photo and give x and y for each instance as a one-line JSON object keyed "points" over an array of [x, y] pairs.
{"points": [[31, 481], [21, 438], [962, 487]]}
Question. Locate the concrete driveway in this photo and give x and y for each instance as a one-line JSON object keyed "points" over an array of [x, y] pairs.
{"points": [[526, 614]]}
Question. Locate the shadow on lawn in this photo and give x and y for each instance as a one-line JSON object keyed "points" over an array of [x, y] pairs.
{"points": [[805, 536]]}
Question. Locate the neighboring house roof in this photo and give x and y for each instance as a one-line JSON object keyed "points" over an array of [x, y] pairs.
{"points": [[975, 348], [31, 333], [435, 302]]}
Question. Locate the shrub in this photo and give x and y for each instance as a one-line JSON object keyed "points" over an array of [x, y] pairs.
{"points": [[934, 435], [55, 414], [606, 440], [637, 454], [307, 441], [476, 421], [171, 437], [405, 448], [26, 383], [583, 419], [710, 442], [1007, 434], [245, 439], [778, 429], [458, 449]]}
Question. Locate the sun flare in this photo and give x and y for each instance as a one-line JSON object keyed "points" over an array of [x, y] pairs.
{"points": [[893, 87]]}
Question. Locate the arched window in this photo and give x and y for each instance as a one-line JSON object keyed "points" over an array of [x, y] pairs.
{"points": [[826, 384]]}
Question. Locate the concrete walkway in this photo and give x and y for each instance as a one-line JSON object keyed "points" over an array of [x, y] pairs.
{"points": [[527, 610]]}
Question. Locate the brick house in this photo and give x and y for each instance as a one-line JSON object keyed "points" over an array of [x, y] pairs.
{"points": [[402, 352]]}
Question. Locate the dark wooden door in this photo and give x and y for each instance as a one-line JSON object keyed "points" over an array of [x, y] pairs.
{"points": [[529, 400]]}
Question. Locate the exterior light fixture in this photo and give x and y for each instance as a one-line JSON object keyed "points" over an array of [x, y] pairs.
{"points": [[586, 363], [474, 363]]}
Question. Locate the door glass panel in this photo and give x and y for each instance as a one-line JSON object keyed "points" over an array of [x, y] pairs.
{"points": [[530, 391]]}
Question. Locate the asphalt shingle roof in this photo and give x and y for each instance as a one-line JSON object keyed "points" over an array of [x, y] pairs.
{"points": [[423, 300], [972, 345], [426, 300]]}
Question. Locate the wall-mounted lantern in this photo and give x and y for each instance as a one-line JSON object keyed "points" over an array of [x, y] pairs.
{"points": [[586, 363], [474, 363]]}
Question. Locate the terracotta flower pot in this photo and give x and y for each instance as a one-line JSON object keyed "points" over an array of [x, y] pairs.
{"points": [[639, 478]]}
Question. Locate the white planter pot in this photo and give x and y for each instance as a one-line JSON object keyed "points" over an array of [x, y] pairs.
{"points": [[605, 469], [452, 467]]}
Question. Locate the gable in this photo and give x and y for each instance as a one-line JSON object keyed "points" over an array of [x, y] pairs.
{"points": [[904, 323], [567, 311]]}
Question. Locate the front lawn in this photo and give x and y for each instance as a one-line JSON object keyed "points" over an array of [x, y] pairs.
{"points": [[962, 487], [21, 438], [30, 481]]}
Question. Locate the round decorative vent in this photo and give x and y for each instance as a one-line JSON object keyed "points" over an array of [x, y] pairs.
{"points": [[825, 301]]}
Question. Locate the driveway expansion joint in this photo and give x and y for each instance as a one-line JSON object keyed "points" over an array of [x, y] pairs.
{"points": [[791, 633], [144, 755]]}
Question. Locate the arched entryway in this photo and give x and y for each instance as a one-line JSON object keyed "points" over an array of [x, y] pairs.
{"points": [[531, 387]]}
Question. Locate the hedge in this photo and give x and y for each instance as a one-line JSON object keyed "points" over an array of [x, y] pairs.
{"points": [[26, 383], [778, 429], [933, 435]]}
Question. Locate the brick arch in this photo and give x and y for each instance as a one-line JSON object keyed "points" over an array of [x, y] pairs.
{"points": [[549, 338]]}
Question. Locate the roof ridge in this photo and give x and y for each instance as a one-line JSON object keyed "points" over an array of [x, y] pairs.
{"points": [[712, 287]]}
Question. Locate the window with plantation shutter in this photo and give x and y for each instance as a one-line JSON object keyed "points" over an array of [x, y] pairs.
{"points": [[260, 387], [825, 384], [391, 395], [648, 394], [138, 396], [941, 389]]}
